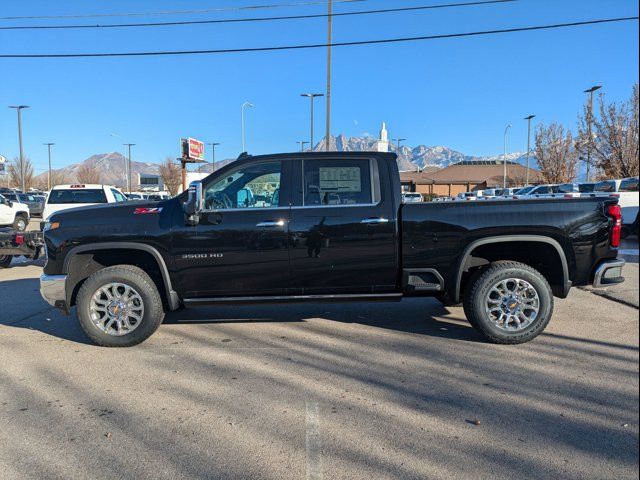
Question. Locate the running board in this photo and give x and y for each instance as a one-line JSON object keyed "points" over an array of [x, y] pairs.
{"points": [[365, 297]]}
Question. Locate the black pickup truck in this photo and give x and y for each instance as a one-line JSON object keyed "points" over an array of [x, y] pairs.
{"points": [[324, 227]]}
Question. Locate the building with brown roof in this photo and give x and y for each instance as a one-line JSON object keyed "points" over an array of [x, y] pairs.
{"points": [[467, 176]]}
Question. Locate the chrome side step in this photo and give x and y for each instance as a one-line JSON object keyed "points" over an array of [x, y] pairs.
{"points": [[365, 297]]}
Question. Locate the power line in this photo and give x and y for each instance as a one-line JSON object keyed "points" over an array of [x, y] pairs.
{"points": [[319, 45], [182, 12], [254, 19]]}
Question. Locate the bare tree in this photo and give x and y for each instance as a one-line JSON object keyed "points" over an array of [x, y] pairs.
{"points": [[88, 173], [555, 153], [171, 176], [614, 141], [58, 178], [15, 174]]}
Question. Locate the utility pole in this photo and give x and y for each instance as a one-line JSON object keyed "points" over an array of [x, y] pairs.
{"points": [[49, 145], [311, 97], [213, 155], [589, 120], [129, 165], [302, 143], [504, 159], [528, 119], [22, 171], [329, 39], [244, 105]]}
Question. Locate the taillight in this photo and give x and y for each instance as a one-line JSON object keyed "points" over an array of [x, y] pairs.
{"points": [[615, 212], [19, 239]]}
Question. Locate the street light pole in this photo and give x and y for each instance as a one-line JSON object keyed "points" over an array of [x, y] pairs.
{"points": [[329, 39], [244, 105], [302, 143], [213, 155], [504, 159], [398, 140], [129, 165], [589, 120], [49, 145], [311, 97], [19, 110], [528, 144]]}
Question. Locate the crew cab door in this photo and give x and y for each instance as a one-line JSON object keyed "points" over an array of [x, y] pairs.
{"points": [[342, 228], [239, 246]]}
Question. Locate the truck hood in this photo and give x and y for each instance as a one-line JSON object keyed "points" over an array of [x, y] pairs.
{"points": [[109, 213]]}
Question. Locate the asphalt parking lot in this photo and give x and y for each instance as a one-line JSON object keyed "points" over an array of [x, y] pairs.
{"points": [[368, 390]]}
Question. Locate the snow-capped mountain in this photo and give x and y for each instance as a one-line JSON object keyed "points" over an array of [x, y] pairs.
{"points": [[415, 158]]}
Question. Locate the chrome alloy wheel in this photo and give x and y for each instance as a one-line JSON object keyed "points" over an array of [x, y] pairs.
{"points": [[116, 309], [512, 304]]}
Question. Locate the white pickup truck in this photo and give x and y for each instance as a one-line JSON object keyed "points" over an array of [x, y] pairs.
{"points": [[64, 197], [13, 214], [626, 191]]}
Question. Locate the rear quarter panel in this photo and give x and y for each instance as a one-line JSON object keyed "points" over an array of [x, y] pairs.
{"points": [[435, 235]]}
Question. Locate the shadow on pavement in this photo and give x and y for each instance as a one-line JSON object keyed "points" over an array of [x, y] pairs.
{"points": [[416, 316]]}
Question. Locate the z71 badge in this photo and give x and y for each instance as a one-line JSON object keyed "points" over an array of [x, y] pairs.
{"points": [[201, 256]]}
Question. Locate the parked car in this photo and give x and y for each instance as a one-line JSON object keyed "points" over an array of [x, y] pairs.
{"points": [[135, 196], [411, 197], [13, 214], [31, 201], [466, 196], [626, 191], [342, 235], [64, 197]]}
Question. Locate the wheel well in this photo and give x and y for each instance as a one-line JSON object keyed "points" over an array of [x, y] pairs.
{"points": [[544, 257], [84, 264]]}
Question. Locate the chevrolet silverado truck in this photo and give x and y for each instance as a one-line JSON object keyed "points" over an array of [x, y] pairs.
{"points": [[310, 227]]}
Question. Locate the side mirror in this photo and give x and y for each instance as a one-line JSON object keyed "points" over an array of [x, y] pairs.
{"points": [[193, 206], [9, 203]]}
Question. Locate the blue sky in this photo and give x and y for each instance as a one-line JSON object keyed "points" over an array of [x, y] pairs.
{"points": [[459, 92]]}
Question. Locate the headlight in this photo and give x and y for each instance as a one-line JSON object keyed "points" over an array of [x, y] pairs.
{"points": [[50, 226]]}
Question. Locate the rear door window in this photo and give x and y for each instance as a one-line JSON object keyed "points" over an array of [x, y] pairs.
{"points": [[629, 185], [337, 182], [118, 196], [71, 196]]}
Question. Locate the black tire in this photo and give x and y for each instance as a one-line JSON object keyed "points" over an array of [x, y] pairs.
{"points": [[21, 222], [478, 290], [134, 277], [5, 261]]}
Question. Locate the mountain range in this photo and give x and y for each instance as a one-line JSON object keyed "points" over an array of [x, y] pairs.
{"points": [[112, 164]]}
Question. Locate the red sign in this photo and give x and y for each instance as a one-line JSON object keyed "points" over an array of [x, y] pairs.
{"points": [[195, 149]]}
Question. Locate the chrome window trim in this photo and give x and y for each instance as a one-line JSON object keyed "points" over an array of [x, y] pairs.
{"points": [[246, 209]]}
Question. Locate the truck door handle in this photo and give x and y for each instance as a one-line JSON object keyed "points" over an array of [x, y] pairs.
{"points": [[374, 220], [271, 224]]}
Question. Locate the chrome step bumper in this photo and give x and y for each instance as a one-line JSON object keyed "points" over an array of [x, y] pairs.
{"points": [[608, 273]]}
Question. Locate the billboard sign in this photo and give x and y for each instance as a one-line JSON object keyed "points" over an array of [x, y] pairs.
{"points": [[195, 149]]}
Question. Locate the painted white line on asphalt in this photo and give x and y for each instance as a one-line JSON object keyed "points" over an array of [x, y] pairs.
{"points": [[635, 252], [314, 453]]}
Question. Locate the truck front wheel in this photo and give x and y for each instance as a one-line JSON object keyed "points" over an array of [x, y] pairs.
{"points": [[119, 306], [20, 222], [509, 303]]}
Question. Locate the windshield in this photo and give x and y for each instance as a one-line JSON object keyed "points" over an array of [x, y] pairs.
{"points": [[586, 187], [68, 196]]}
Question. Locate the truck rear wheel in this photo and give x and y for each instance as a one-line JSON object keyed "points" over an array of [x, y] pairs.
{"points": [[509, 303], [119, 306], [5, 261]]}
